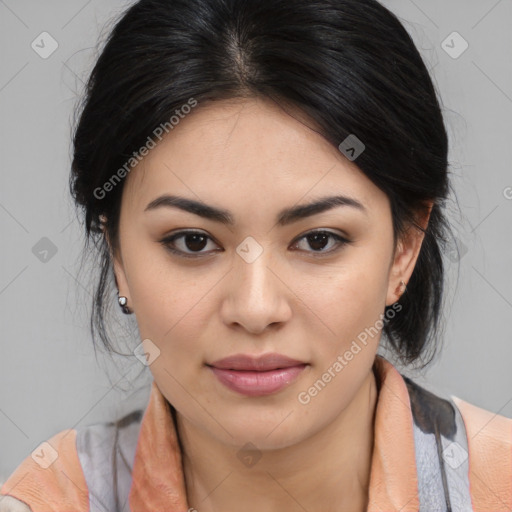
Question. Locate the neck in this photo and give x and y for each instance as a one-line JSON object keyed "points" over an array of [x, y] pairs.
{"points": [[329, 471]]}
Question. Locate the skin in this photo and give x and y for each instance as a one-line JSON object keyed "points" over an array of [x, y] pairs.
{"points": [[309, 303]]}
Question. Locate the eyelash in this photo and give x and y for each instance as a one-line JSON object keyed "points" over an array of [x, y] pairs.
{"points": [[166, 242]]}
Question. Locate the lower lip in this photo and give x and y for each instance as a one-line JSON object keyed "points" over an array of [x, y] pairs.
{"points": [[253, 383]]}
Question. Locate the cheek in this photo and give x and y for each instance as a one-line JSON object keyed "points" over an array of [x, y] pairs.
{"points": [[172, 313], [347, 329], [346, 301], [165, 298]]}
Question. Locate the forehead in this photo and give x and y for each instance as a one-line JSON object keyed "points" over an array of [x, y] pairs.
{"points": [[246, 148]]}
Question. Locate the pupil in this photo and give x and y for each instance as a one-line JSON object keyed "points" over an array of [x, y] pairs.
{"points": [[316, 237], [197, 244]]}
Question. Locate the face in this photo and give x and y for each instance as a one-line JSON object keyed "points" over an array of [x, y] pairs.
{"points": [[310, 285]]}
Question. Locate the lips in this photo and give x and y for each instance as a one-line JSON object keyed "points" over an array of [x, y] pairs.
{"points": [[257, 376], [262, 363]]}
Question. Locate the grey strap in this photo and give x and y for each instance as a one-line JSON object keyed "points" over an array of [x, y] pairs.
{"points": [[95, 446], [441, 451]]}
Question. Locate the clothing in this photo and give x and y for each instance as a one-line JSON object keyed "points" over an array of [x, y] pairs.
{"points": [[410, 471]]}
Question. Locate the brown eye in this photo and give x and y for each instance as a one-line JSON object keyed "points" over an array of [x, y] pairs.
{"points": [[319, 240], [187, 243], [195, 242]]}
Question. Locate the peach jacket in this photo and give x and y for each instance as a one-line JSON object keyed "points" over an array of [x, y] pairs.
{"points": [[430, 454]]}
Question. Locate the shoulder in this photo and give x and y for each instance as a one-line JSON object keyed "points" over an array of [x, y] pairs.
{"points": [[485, 427], [62, 471], [49, 478], [489, 434], [490, 455]]}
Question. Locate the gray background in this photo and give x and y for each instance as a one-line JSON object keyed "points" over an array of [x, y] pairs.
{"points": [[50, 379]]}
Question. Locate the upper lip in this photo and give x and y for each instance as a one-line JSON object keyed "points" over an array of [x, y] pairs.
{"points": [[261, 363]]}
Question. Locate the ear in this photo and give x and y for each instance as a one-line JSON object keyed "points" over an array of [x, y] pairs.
{"points": [[406, 255], [118, 267]]}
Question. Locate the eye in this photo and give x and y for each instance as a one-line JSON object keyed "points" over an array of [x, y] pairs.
{"points": [[190, 244], [318, 240], [193, 241]]}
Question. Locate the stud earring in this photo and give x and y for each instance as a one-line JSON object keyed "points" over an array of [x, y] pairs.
{"points": [[404, 286], [123, 301]]}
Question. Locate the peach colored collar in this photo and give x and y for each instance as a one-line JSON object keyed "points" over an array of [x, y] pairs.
{"points": [[158, 481]]}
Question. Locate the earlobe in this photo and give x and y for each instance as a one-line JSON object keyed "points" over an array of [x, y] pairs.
{"points": [[123, 296], [119, 274]]}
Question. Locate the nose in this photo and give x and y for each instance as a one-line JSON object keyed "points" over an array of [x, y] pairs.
{"points": [[256, 294]]}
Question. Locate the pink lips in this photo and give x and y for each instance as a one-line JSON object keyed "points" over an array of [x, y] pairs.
{"points": [[257, 376]]}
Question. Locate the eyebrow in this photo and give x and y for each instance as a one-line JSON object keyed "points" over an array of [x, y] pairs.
{"points": [[284, 217]]}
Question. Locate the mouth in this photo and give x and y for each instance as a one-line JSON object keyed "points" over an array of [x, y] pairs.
{"points": [[257, 376], [247, 362]]}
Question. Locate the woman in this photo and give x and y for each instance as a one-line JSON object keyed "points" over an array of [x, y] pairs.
{"points": [[265, 181]]}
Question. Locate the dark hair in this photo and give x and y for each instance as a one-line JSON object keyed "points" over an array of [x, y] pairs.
{"points": [[346, 66]]}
